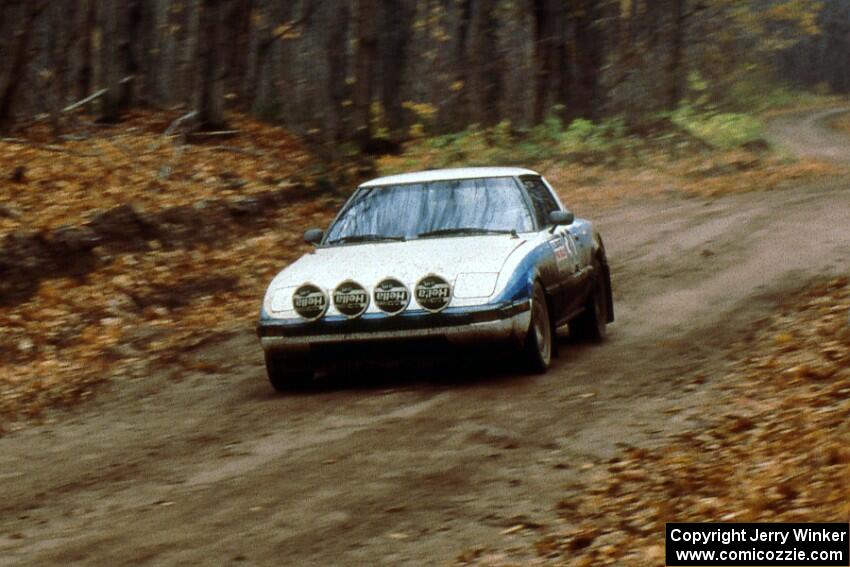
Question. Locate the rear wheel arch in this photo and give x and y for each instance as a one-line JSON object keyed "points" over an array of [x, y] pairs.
{"points": [[605, 279], [600, 260]]}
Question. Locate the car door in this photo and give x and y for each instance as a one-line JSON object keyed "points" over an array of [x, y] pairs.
{"points": [[565, 248]]}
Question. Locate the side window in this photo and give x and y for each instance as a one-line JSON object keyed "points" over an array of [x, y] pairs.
{"points": [[542, 200]]}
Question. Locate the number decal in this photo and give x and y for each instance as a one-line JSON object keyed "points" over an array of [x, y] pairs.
{"points": [[566, 253], [573, 249]]}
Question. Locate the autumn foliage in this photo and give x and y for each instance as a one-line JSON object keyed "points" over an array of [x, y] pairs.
{"points": [[186, 239]]}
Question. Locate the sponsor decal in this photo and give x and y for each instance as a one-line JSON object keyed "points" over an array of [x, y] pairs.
{"points": [[391, 296], [310, 302], [351, 299], [433, 293], [566, 254]]}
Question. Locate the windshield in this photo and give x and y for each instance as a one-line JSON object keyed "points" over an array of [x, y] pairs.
{"points": [[456, 207]]}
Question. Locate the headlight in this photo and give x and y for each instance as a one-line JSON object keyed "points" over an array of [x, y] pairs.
{"points": [[310, 301], [477, 284], [433, 293], [351, 299], [391, 296], [282, 299]]}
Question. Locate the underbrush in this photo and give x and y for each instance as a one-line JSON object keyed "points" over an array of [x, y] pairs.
{"points": [[721, 130], [760, 97], [685, 132]]}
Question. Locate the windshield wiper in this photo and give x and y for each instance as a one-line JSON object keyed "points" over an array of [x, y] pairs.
{"points": [[366, 238], [461, 231]]}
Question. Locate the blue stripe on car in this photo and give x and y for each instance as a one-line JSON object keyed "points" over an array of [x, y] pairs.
{"points": [[521, 283]]}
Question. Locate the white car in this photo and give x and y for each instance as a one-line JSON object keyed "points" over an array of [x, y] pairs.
{"points": [[454, 255]]}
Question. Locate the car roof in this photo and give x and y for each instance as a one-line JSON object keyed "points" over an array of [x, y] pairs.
{"points": [[448, 175]]}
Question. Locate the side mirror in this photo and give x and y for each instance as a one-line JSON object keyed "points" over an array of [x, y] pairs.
{"points": [[314, 235], [561, 217]]}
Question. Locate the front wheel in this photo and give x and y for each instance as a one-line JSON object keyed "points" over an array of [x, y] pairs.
{"points": [[285, 376], [537, 351]]}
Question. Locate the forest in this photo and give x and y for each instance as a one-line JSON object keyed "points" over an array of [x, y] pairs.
{"points": [[161, 160], [378, 72]]}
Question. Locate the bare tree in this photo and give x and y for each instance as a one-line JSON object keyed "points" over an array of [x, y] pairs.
{"points": [[460, 62], [366, 56], [337, 63], [676, 67], [589, 46], [210, 94], [28, 13], [83, 67], [109, 23], [397, 16], [548, 17], [487, 63]]}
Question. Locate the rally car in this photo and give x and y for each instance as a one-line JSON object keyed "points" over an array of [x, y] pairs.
{"points": [[453, 256]]}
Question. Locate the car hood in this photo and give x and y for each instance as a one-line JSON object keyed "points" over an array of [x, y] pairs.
{"points": [[408, 261]]}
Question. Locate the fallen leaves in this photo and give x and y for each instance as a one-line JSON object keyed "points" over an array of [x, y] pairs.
{"points": [[141, 304], [111, 167], [774, 447]]}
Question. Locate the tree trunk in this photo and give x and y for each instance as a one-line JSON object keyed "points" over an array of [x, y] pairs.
{"points": [[211, 81], [61, 43], [397, 15], [85, 66], [148, 55], [589, 58], [165, 61], [367, 48], [546, 16], [239, 58], [336, 60], [460, 112], [676, 70], [565, 63], [486, 68], [110, 50], [20, 56], [130, 28], [191, 55]]}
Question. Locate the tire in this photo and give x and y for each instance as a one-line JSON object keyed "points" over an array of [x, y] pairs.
{"points": [[284, 376], [591, 325], [537, 351]]}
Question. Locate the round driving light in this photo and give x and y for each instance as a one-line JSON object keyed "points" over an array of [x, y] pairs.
{"points": [[391, 296], [433, 293], [351, 299], [310, 302]]}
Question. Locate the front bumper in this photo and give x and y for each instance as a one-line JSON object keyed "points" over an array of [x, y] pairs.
{"points": [[458, 325]]}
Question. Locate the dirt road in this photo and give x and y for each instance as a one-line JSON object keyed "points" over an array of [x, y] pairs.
{"points": [[411, 467]]}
